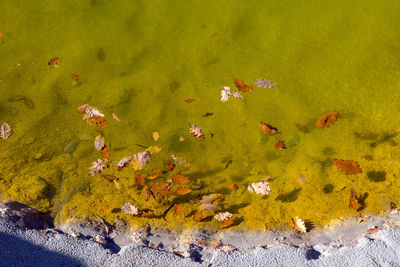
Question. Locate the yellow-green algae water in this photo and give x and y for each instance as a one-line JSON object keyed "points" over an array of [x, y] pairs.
{"points": [[142, 59]]}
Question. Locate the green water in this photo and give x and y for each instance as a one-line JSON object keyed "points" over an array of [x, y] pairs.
{"points": [[142, 59]]}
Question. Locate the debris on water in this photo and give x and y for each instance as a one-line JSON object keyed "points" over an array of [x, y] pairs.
{"points": [[280, 145], [115, 117], [5, 130], [210, 202], [181, 138], [354, 204], [189, 100], [208, 114], [227, 223], [180, 161], [97, 167], [140, 159], [99, 143], [267, 129], [347, 166], [225, 93], [71, 146], [29, 103], [93, 116], [327, 119], [112, 179], [74, 77], [180, 179], [130, 209], [181, 191], [260, 187], [301, 180], [155, 136], [242, 87], [54, 62], [170, 166], [237, 95], [264, 83], [298, 224], [228, 163], [123, 162], [222, 216], [233, 187], [196, 131]]}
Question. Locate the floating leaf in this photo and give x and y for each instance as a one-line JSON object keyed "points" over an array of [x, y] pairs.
{"points": [[97, 167], [130, 209], [242, 87], [264, 83], [93, 116], [347, 166], [327, 119], [189, 100], [373, 230], [227, 223], [105, 152], [5, 130], [225, 93], [267, 129], [280, 145], [180, 161], [123, 163], [110, 177], [260, 188], [298, 224], [222, 216], [160, 190], [180, 179], [233, 187], [153, 150], [170, 166], [53, 61], [354, 200], [146, 193], [155, 135], [74, 77], [198, 217], [209, 202], [115, 117], [152, 177], [196, 131], [148, 213], [140, 159], [183, 191], [178, 209], [140, 180], [99, 143]]}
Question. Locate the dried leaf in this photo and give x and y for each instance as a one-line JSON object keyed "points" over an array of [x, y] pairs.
{"points": [[280, 145], [373, 230], [327, 119], [152, 177], [160, 190], [260, 187], [347, 166], [181, 139], [105, 152], [242, 87], [74, 77], [183, 191], [110, 177], [123, 163], [178, 209], [146, 193], [196, 131], [170, 166], [97, 167], [267, 129], [53, 61], [29, 103], [158, 172], [148, 213], [140, 180], [99, 143], [198, 217], [1, 34], [227, 223], [208, 114], [298, 224], [155, 135], [189, 100], [264, 83], [233, 187], [5, 130], [104, 207], [130, 209], [153, 150], [209, 243], [180, 179], [115, 117], [354, 200], [140, 159], [222, 216]]}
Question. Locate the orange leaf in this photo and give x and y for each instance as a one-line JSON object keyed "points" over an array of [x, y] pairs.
{"points": [[354, 200], [242, 87], [327, 119], [348, 166], [267, 129], [152, 177], [178, 209], [227, 223], [74, 76], [110, 177], [1, 34], [170, 166], [140, 180], [180, 179], [209, 243], [373, 230], [189, 100], [105, 152], [54, 61], [280, 145], [104, 207], [233, 187], [198, 217], [183, 191], [146, 193]]}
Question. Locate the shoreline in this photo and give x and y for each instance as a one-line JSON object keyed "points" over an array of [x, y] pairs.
{"points": [[199, 248]]}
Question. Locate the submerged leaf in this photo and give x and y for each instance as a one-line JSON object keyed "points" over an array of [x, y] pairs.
{"points": [[280, 145], [198, 217], [183, 191], [327, 119], [264, 83], [178, 209], [180, 179], [347, 166], [233, 187], [227, 223], [170, 166], [146, 193], [189, 100], [140, 180], [354, 200], [155, 135], [209, 202]]}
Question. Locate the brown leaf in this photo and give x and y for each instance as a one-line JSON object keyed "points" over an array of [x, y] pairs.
{"points": [[180, 179], [327, 119], [110, 177], [178, 209], [373, 230], [209, 243], [267, 129], [368, 157], [347, 166], [148, 213], [233, 187], [183, 191], [53, 61], [74, 76], [146, 193], [354, 200], [105, 152], [280, 145], [140, 180], [160, 190], [104, 207], [189, 100], [29, 103], [227, 223], [242, 87], [198, 217], [170, 166]]}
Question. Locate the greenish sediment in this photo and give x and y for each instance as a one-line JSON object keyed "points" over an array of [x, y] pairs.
{"points": [[142, 59]]}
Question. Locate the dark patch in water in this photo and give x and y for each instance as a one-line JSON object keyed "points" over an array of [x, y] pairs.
{"points": [[289, 197], [328, 188], [101, 54], [328, 151], [309, 225], [312, 254], [376, 176], [302, 128], [174, 86]]}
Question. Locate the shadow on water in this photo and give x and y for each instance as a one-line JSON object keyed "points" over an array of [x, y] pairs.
{"points": [[289, 197], [19, 252]]}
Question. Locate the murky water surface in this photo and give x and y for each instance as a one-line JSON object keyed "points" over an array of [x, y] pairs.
{"points": [[142, 59]]}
